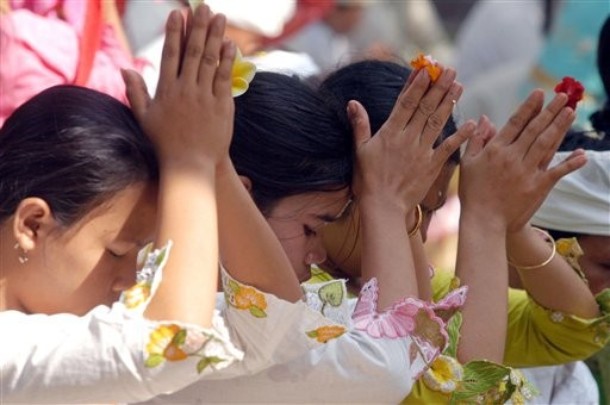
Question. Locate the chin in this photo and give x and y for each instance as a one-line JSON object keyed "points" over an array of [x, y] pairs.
{"points": [[304, 275]]}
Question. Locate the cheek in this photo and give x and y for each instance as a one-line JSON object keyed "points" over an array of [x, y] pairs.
{"points": [[295, 250], [597, 274], [80, 278]]}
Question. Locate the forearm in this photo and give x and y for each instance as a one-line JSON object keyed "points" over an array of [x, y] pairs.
{"points": [[481, 265], [422, 267], [386, 251], [188, 290], [552, 284], [249, 249]]}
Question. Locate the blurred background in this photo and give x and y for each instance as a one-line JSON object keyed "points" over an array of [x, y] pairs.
{"points": [[501, 49]]}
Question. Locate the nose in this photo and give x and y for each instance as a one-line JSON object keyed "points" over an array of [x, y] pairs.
{"points": [[317, 254], [125, 274]]}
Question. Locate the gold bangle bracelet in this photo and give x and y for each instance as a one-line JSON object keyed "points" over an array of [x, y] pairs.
{"points": [[420, 220], [545, 262]]}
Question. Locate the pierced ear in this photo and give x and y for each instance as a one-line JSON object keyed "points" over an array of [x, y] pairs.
{"points": [[32, 220], [247, 183]]}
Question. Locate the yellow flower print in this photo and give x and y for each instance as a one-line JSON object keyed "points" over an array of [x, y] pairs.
{"points": [[173, 343], [136, 295], [325, 333], [571, 251], [444, 374], [247, 298], [242, 74], [164, 345]]}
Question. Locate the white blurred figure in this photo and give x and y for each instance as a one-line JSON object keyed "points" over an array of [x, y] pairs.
{"points": [[249, 24], [495, 33], [402, 28], [327, 40]]}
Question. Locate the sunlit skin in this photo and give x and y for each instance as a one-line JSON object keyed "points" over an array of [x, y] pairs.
{"points": [[343, 245], [298, 220], [341, 237], [74, 269]]}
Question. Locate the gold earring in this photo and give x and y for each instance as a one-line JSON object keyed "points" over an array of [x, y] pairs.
{"points": [[23, 258]]}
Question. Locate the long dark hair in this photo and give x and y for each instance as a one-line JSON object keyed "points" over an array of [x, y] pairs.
{"points": [[288, 141], [376, 85], [601, 119], [73, 147]]}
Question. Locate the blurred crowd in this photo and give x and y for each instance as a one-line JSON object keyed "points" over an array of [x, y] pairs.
{"points": [[501, 50]]}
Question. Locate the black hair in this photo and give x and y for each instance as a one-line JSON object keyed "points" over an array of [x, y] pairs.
{"points": [[288, 141], [376, 85], [584, 140], [601, 118], [73, 147]]}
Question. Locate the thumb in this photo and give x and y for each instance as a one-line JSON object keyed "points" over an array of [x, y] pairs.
{"points": [[359, 121], [137, 92]]}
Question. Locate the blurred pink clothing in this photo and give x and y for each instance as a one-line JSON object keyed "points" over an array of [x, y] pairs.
{"points": [[39, 50]]}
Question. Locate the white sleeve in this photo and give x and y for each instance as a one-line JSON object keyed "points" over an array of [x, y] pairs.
{"points": [[110, 354], [270, 330], [364, 361]]}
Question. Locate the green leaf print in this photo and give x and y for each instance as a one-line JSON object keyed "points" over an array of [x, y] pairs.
{"points": [[332, 293], [257, 312]]}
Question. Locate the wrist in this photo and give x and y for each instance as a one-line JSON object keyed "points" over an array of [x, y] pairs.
{"points": [[481, 221], [377, 203], [190, 168]]}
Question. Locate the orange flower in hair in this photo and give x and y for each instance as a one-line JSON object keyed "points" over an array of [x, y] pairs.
{"points": [[429, 63], [573, 88]]}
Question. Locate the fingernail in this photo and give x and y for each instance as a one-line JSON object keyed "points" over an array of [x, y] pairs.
{"points": [[350, 110]]}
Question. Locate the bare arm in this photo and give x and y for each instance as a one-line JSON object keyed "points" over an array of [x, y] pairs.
{"points": [[550, 284], [502, 182], [395, 170], [250, 251], [422, 266], [190, 121]]}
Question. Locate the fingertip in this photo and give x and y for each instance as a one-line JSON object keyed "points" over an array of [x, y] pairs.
{"points": [[470, 126], [125, 76], [353, 108]]}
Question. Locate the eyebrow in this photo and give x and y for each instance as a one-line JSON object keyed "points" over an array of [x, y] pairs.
{"points": [[328, 217], [333, 218]]}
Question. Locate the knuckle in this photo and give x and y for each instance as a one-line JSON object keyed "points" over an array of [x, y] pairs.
{"points": [[435, 122], [170, 52], [426, 108], [447, 147], [544, 142], [408, 103], [193, 51], [209, 59], [516, 121]]}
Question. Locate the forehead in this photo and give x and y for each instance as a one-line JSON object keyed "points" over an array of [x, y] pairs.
{"points": [[128, 215], [325, 206]]}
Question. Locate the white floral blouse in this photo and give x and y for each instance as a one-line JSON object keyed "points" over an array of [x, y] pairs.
{"points": [[111, 354], [362, 355]]}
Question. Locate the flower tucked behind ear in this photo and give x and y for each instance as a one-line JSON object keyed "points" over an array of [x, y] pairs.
{"points": [[242, 74], [573, 88], [429, 63]]}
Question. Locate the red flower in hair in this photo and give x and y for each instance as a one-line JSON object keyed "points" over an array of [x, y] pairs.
{"points": [[573, 88]]}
